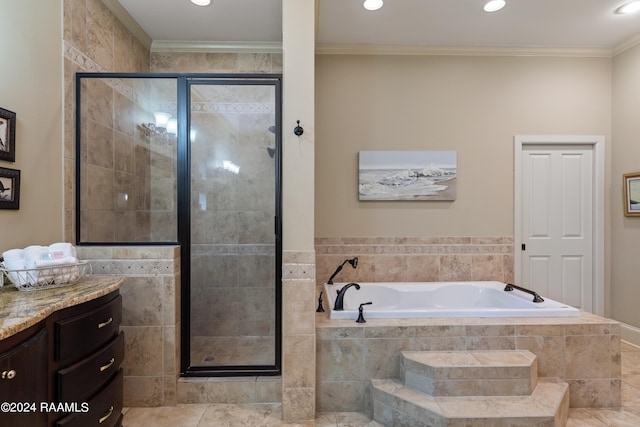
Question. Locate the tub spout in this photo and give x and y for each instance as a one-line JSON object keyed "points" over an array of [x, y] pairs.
{"points": [[338, 306]]}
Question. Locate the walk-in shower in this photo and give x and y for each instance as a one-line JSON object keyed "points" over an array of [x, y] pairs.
{"points": [[194, 161]]}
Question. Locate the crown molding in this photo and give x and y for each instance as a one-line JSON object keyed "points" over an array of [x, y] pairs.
{"points": [[121, 13], [215, 47], [627, 44], [365, 49]]}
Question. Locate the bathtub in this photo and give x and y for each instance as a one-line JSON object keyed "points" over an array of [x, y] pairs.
{"points": [[440, 299]]}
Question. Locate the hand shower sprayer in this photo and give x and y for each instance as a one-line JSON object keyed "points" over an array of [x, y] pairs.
{"points": [[353, 262]]}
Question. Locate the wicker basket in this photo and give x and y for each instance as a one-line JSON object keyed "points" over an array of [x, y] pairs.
{"points": [[54, 276]]}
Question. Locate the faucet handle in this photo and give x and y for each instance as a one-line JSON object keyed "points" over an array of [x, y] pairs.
{"points": [[320, 308], [361, 311]]}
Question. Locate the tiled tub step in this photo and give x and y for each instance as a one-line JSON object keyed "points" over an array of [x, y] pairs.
{"points": [[470, 373], [395, 404]]}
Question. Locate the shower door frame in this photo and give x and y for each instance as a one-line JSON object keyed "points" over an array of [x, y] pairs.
{"points": [[183, 171], [184, 224]]}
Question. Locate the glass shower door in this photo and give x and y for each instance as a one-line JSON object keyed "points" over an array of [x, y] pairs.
{"points": [[234, 235]]}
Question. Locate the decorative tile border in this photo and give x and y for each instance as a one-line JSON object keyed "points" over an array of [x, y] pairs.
{"points": [[133, 267], [232, 250], [414, 245]]}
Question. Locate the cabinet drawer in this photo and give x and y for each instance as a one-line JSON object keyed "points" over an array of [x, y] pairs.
{"points": [[80, 335], [105, 409], [79, 381]]}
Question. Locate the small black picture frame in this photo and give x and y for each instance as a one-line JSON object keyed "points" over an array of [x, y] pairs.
{"points": [[7, 135], [9, 188]]}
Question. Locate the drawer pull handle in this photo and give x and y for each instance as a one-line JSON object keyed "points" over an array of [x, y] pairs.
{"points": [[103, 324], [104, 417], [108, 365], [8, 375]]}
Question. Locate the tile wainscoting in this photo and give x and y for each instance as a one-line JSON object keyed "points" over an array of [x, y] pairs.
{"points": [[150, 317], [583, 351], [416, 259]]}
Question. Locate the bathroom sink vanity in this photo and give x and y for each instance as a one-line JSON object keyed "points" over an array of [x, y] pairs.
{"points": [[60, 355]]}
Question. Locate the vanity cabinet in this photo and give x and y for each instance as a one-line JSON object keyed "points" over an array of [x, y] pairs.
{"points": [[87, 353], [67, 366], [23, 378]]}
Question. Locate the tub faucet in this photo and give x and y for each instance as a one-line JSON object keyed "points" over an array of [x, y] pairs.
{"points": [[338, 306]]}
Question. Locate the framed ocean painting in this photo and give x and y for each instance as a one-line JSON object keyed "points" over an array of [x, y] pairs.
{"points": [[407, 175]]}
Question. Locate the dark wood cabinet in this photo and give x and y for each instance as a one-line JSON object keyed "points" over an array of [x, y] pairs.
{"points": [[78, 334], [67, 367], [23, 379], [84, 378], [106, 408]]}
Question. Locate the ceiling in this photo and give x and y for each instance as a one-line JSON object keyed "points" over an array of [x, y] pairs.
{"points": [[566, 24]]}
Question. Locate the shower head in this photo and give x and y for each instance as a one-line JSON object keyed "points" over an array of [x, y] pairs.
{"points": [[270, 151], [272, 128], [353, 262]]}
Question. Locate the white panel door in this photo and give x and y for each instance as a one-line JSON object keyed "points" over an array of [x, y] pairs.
{"points": [[557, 222]]}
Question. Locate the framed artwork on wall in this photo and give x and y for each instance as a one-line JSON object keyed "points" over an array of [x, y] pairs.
{"points": [[407, 175], [7, 135], [631, 183], [9, 188]]}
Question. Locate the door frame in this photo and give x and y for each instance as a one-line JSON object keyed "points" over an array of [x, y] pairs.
{"points": [[597, 142], [184, 223]]}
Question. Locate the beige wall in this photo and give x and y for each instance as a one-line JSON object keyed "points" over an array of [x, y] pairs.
{"points": [[473, 105], [625, 270], [31, 86]]}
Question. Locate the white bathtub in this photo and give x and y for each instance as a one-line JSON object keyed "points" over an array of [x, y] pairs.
{"points": [[440, 299]]}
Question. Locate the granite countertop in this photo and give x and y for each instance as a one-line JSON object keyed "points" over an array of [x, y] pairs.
{"points": [[19, 310]]}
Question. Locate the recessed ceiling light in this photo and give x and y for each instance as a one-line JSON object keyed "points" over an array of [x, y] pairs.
{"points": [[201, 2], [372, 4], [630, 7], [494, 5]]}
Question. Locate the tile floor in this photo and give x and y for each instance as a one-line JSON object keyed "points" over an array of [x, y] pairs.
{"points": [[270, 415]]}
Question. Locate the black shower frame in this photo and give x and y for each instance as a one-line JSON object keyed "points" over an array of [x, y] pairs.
{"points": [[184, 80]]}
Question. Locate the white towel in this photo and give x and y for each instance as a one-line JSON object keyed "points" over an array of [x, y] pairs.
{"points": [[66, 249], [13, 260], [51, 262], [39, 263], [58, 270], [33, 254]]}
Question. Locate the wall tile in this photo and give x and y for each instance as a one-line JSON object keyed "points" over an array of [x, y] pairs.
{"points": [[298, 404], [340, 396], [297, 353], [142, 301], [143, 391], [100, 34], [143, 351]]}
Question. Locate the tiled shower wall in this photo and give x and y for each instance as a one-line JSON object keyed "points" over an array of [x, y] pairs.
{"points": [[416, 259], [236, 280], [232, 242], [128, 176], [94, 40]]}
